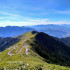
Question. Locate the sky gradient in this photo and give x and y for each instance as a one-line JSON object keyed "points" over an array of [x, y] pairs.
{"points": [[34, 12]]}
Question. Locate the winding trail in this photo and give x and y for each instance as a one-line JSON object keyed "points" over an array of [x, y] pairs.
{"points": [[24, 45], [21, 48], [26, 49], [9, 53]]}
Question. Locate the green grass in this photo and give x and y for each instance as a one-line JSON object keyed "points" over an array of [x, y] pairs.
{"points": [[21, 61], [33, 60]]}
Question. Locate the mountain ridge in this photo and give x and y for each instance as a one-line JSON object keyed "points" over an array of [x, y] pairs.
{"points": [[36, 48]]}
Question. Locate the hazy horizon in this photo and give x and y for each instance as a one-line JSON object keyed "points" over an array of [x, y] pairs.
{"points": [[33, 25]]}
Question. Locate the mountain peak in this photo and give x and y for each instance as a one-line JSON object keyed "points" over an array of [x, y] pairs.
{"points": [[34, 32]]}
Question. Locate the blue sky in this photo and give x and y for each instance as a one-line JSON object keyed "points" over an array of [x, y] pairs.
{"points": [[34, 12]]}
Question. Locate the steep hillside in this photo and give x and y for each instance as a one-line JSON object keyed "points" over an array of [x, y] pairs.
{"points": [[7, 42], [53, 50], [66, 41], [34, 51]]}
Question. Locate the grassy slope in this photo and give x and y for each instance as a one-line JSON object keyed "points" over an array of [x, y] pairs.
{"points": [[32, 61]]}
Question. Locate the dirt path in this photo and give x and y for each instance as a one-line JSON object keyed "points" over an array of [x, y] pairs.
{"points": [[9, 53], [20, 49], [24, 45], [26, 49]]}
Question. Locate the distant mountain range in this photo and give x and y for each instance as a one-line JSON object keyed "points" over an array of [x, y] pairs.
{"points": [[59, 31], [54, 30], [11, 31]]}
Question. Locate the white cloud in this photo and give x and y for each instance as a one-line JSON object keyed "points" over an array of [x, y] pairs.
{"points": [[6, 13], [38, 20], [6, 16], [30, 23], [22, 21], [64, 12]]}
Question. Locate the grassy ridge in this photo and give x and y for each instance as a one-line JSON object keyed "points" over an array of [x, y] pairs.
{"points": [[32, 61]]}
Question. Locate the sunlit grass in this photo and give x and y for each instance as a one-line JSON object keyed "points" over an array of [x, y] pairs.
{"points": [[32, 61]]}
